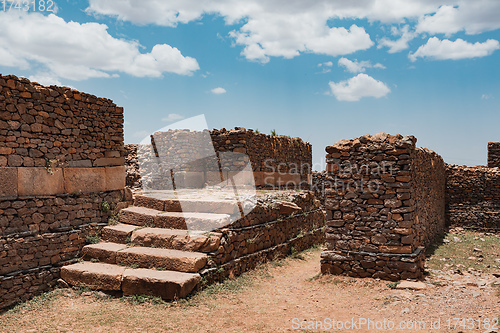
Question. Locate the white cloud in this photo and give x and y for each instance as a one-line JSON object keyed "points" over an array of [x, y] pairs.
{"points": [[357, 67], [399, 44], [358, 87], [218, 91], [474, 17], [459, 49], [46, 79], [172, 117], [486, 96], [326, 64], [77, 51]]}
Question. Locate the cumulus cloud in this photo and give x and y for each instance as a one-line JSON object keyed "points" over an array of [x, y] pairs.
{"points": [[358, 87], [77, 51], [459, 49], [172, 117], [473, 17], [283, 28], [218, 91], [399, 44], [357, 67]]}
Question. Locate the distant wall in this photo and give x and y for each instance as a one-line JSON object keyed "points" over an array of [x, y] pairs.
{"points": [[493, 154], [61, 157], [385, 201], [276, 161], [473, 196]]}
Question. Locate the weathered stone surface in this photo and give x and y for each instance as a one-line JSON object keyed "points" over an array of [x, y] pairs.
{"points": [[176, 239], [8, 182], [175, 260], [153, 203], [288, 208], [117, 233], [103, 251], [109, 161], [84, 180], [115, 178], [139, 216], [93, 275], [40, 181], [165, 284]]}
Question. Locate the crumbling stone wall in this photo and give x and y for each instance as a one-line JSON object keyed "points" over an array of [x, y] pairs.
{"points": [[384, 203], [279, 223], [208, 157], [62, 174], [494, 154], [473, 196]]}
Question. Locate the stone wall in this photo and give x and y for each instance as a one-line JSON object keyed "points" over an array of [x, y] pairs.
{"points": [[473, 196], [199, 158], [493, 154], [385, 203], [62, 175], [278, 225]]}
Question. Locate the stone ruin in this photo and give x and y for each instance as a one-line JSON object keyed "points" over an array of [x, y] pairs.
{"points": [[384, 204], [381, 201]]}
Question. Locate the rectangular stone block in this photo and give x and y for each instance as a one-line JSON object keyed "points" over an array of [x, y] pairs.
{"points": [[8, 182], [81, 180], [115, 178], [39, 181], [80, 164], [109, 161]]}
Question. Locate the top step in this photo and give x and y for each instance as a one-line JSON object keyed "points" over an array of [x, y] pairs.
{"points": [[230, 207], [142, 216]]}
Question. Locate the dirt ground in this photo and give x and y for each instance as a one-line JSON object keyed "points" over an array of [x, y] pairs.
{"points": [[281, 296]]}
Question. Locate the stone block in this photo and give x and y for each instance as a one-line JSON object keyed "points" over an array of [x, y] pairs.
{"points": [[115, 178], [93, 275], [80, 164], [39, 181], [83, 180], [109, 161], [8, 182], [164, 284]]}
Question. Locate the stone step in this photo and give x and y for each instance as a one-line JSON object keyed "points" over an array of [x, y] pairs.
{"points": [[188, 205], [165, 284], [145, 257], [142, 216], [175, 239], [119, 233]]}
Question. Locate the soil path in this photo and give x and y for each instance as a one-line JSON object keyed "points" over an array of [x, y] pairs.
{"points": [[281, 298]]}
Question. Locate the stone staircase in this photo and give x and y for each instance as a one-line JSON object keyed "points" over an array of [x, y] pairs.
{"points": [[157, 248]]}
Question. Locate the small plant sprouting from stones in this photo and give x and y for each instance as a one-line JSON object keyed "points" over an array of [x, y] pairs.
{"points": [[92, 239], [393, 285], [220, 270], [161, 269], [48, 166], [94, 260], [105, 206], [114, 219], [273, 132]]}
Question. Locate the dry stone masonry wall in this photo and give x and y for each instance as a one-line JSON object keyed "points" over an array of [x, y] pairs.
{"points": [[279, 224], [494, 154], [199, 158], [473, 196], [62, 174], [384, 202]]}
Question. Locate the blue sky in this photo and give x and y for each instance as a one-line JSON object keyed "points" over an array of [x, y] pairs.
{"points": [[322, 70]]}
